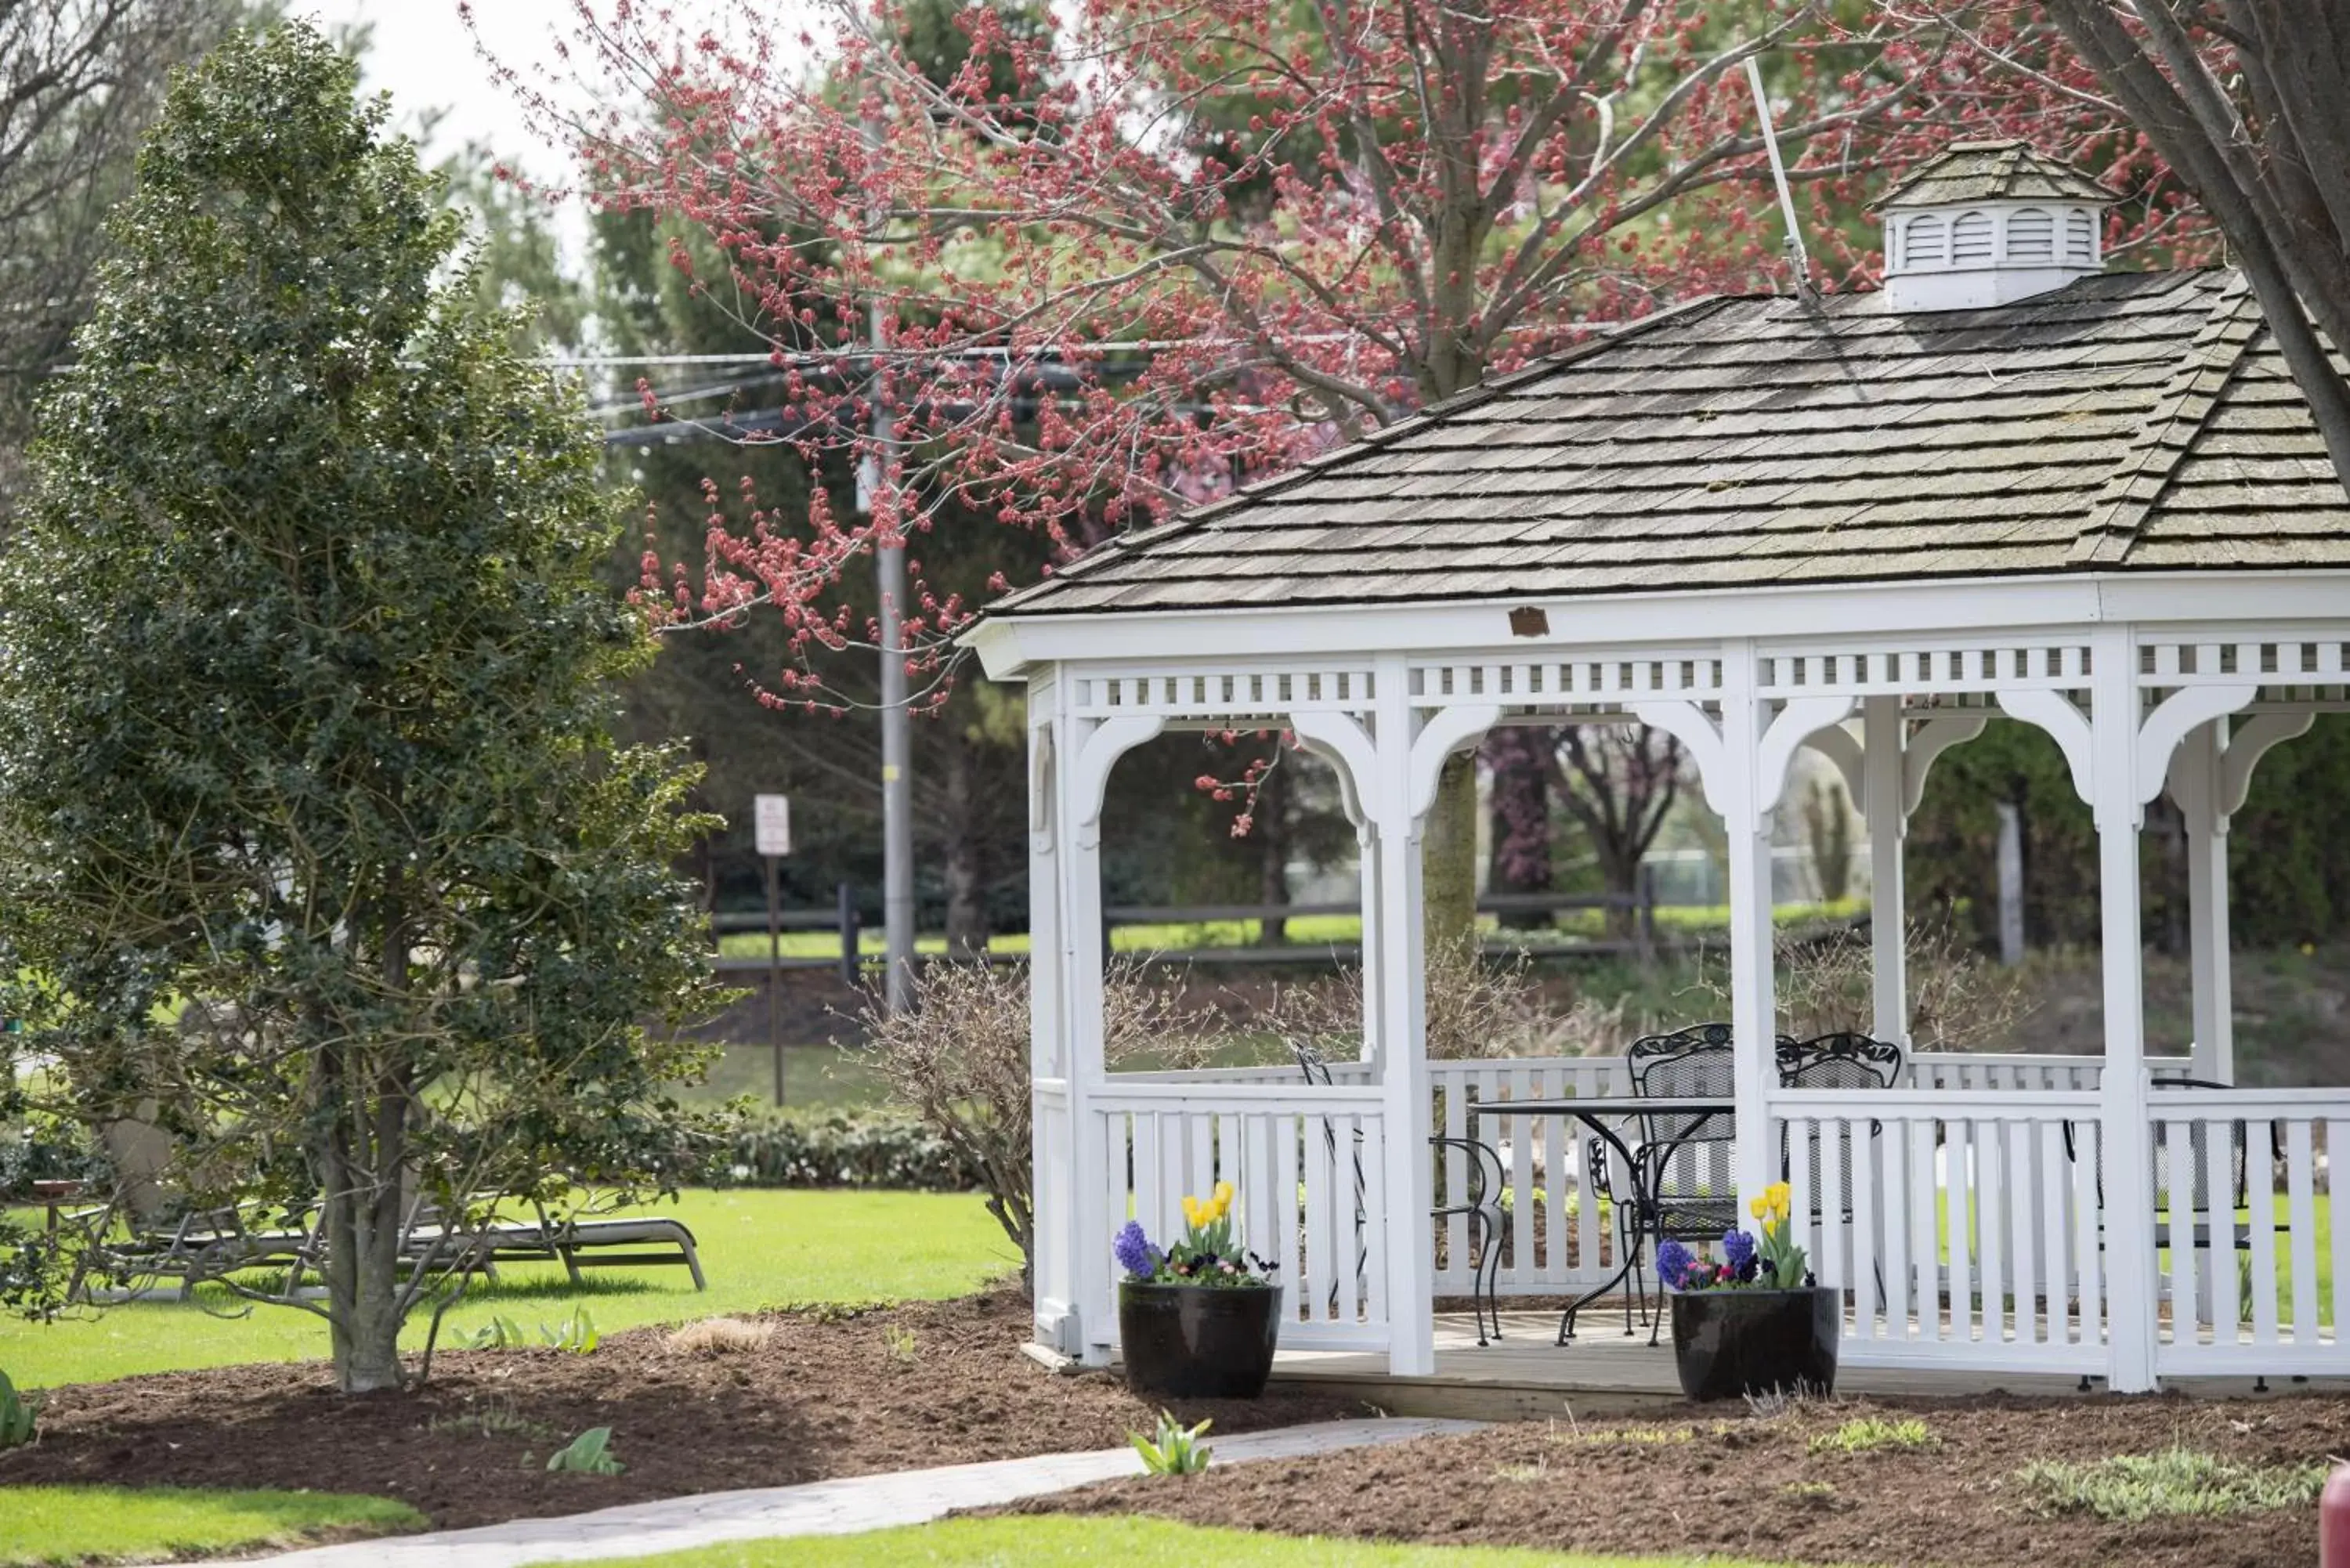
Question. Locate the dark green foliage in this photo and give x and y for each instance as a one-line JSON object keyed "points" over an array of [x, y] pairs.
{"points": [[322, 856], [1953, 843], [766, 1147], [2289, 860], [18, 1415], [2289, 848]]}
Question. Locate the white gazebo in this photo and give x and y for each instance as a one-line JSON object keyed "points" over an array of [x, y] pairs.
{"points": [[2012, 488]]}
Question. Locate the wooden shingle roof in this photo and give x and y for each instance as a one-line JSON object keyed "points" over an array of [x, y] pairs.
{"points": [[2132, 421], [1993, 172]]}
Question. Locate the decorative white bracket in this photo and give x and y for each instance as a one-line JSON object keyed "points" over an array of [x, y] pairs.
{"points": [[1697, 731], [1695, 728], [2065, 722], [1927, 743], [1339, 739], [1089, 779], [1446, 730], [2246, 744], [1799, 720], [1838, 745], [2169, 723]]}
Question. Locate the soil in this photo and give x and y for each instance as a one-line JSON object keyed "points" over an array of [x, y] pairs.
{"points": [[1748, 1486], [834, 1394]]}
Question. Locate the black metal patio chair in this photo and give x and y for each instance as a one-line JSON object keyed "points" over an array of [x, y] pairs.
{"points": [[1840, 1060], [1485, 1184], [1686, 1189], [2199, 1182]]}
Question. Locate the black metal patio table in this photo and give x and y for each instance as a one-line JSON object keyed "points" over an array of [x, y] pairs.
{"points": [[1598, 1112]]}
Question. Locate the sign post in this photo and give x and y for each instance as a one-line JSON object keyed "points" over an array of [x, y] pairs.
{"points": [[771, 819]]}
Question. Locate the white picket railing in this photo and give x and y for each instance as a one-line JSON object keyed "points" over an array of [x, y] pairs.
{"points": [[2250, 1288], [1963, 1218], [1308, 1168], [1345, 1071], [1961, 1225], [1556, 1236]]}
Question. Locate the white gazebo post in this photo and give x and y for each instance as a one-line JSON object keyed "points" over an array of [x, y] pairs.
{"points": [[1885, 804], [2125, 1136], [2209, 780], [1340, 743], [2195, 787], [1402, 1008], [1086, 750], [1053, 1098], [1746, 808]]}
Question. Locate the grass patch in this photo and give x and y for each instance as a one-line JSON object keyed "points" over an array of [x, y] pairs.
{"points": [[67, 1524], [2177, 1482], [1871, 1435], [761, 1247], [1603, 1435], [1054, 1542]]}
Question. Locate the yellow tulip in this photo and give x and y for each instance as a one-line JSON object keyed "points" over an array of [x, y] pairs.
{"points": [[1191, 1210], [1759, 1208], [1224, 1193]]}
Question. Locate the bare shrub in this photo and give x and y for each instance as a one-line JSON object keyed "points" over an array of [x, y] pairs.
{"points": [[1477, 1008], [720, 1337], [1959, 1000], [1590, 1027], [959, 1059]]}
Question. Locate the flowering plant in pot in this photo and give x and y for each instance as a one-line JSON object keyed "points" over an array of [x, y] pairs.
{"points": [[1753, 1320], [1196, 1320]]}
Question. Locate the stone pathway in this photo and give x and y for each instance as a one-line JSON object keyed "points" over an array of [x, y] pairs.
{"points": [[823, 1507]]}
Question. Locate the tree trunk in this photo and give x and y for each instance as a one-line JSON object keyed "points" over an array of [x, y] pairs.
{"points": [[1520, 857], [360, 1168], [1448, 858], [1272, 836], [965, 868], [1619, 869]]}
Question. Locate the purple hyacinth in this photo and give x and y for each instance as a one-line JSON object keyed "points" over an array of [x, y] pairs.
{"points": [[1672, 1262], [1738, 1252], [1134, 1251]]}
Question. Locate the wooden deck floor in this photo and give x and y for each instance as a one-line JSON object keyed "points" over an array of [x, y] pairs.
{"points": [[1525, 1376]]}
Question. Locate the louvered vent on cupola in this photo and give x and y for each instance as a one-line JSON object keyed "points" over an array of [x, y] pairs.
{"points": [[1988, 222]]}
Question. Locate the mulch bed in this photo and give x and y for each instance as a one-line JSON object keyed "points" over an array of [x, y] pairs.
{"points": [[828, 1396], [1709, 1483]]}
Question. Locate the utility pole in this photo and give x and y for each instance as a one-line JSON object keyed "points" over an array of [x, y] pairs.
{"points": [[897, 792]]}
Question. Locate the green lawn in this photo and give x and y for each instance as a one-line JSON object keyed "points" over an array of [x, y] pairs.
{"points": [[761, 1247], [816, 1075], [71, 1524], [1303, 930], [1054, 1541]]}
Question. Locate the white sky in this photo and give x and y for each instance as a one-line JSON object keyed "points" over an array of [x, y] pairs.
{"points": [[423, 56]]}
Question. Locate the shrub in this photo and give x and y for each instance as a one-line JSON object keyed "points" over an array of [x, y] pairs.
{"points": [[1869, 1434], [1175, 1449], [589, 1453], [2178, 1480], [47, 1148], [764, 1147], [17, 1414], [958, 1059], [1958, 999]]}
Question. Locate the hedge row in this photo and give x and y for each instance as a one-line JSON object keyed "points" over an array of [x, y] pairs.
{"points": [[771, 1148]]}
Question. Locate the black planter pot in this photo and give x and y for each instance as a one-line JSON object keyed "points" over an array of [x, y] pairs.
{"points": [[1198, 1342], [1731, 1343]]}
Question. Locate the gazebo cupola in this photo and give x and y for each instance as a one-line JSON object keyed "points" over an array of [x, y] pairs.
{"points": [[1990, 223]]}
